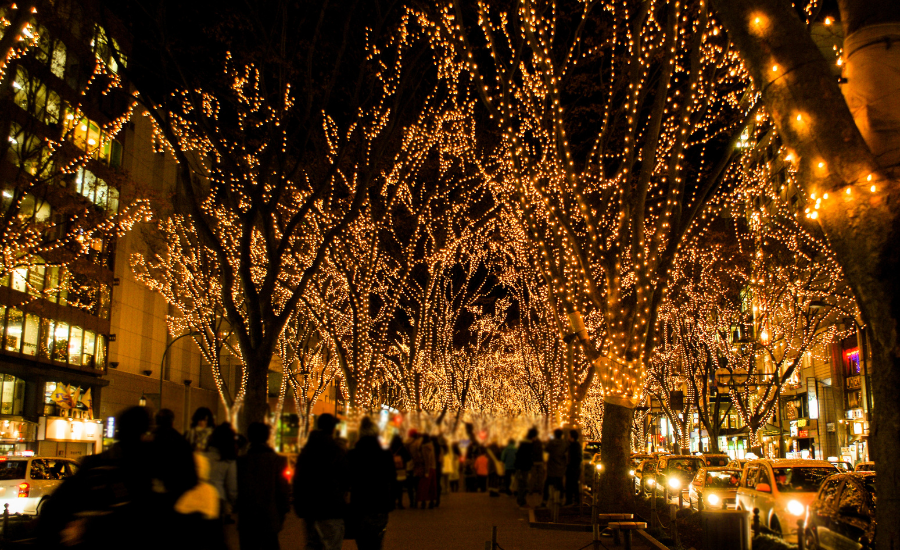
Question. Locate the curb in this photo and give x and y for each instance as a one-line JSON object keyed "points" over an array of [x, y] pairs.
{"points": [[556, 526]]}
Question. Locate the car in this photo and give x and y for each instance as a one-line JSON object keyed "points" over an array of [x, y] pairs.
{"points": [[843, 513], [842, 466], [782, 489], [636, 459], [716, 460], [645, 476], [27, 482], [865, 467], [675, 472], [592, 447], [714, 488], [738, 463]]}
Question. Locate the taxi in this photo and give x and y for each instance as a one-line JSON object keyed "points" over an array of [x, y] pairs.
{"points": [[27, 482]]}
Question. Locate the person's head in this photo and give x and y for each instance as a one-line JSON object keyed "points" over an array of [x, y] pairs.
{"points": [[203, 418], [327, 423], [367, 428], [132, 424], [557, 433], [258, 433], [573, 435], [222, 439], [511, 442], [396, 441], [165, 419], [426, 438], [532, 433], [413, 433]]}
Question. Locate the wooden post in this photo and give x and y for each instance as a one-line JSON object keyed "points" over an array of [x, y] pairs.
{"points": [[596, 534], [801, 543], [755, 521], [493, 537], [654, 521], [673, 519]]}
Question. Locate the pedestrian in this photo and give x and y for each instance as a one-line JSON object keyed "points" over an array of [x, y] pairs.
{"points": [[427, 473], [198, 512], [523, 464], [496, 469], [400, 456], [110, 498], [455, 459], [538, 469], [556, 463], [482, 469], [174, 470], [202, 425], [415, 466], [439, 452], [373, 477], [222, 455], [321, 486], [508, 457], [263, 491], [573, 469]]}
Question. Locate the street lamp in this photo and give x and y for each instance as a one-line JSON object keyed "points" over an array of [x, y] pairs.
{"points": [[143, 400]]}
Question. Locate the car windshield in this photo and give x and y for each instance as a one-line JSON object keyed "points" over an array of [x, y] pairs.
{"points": [[717, 460], [723, 480], [13, 469], [800, 480], [689, 465], [636, 461], [865, 468]]}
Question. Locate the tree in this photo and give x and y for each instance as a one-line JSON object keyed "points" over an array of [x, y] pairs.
{"points": [[860, 219], [278, 153], [604, 174]]}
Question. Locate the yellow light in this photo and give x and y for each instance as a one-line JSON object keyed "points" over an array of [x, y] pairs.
{"points": [[821, 165], [827, 20], [774, 68], [872, 189], [848, 190]]}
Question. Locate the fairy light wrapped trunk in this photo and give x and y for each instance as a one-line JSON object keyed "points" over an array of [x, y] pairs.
{"points": [[862, 215], [611, 125]]}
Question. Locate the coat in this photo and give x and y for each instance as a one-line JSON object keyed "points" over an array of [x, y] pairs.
{"points": [[573, 465], [556, 459], [263, 490], [321, 479], [524, 456], [372, 477]]}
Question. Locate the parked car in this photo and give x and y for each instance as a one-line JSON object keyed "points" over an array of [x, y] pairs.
{"points": [[714, 488], [592, 447], [865, 467], [26, 482], [645, 476], [781, 489], [842, 466], [716, 460], [675, 472], [636, 459], [843, 513]]}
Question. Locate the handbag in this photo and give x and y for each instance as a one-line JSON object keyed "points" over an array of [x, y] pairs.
{"points": [[499, 466]]}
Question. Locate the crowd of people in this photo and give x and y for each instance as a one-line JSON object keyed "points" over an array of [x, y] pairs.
{"points": [[192, 485]]}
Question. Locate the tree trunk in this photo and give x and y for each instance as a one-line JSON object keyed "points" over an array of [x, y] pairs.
{"points": [[616, 489], [862, 224], [256, 400]]}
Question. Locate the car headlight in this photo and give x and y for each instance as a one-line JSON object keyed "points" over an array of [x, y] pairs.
{"points": [[674, 483], [713, 500], [795, 508], [651, 482], [599, 466], [631, 473]]}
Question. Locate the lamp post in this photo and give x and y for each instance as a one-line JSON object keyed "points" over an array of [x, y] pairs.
{"points": [[162, 365]]}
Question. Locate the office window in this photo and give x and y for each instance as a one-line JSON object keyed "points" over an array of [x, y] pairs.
{"points": [[31, 336], [90, 342], [75, 341], [100, 357], [12, 394], [61, 342], [48, 328], [14, 320]]}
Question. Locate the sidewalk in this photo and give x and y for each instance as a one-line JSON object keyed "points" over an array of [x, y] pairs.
{"points": [[462, 522]]}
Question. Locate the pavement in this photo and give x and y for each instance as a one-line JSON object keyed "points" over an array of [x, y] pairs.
{"points": [[463, 521]]}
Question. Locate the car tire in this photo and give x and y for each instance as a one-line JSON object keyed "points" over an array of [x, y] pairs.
{"points": [[39, 507], [774, 525]]}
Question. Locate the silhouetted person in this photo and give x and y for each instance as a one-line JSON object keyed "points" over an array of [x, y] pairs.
{"points": [[174, 471], [321, 486], [372, 479], [110, 498], [573, 469], [263, 491], [556, 462], [524, 462]]}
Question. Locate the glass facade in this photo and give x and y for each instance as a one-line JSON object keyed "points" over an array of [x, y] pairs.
{"points": [[30, 334]]}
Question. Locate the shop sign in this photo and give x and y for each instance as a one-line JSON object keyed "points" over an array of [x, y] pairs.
{"points": [[853, 414], [804, 433], [110, 427], [794, 430], [829, 426], [17, 430], [54, 428], [845, 450]]}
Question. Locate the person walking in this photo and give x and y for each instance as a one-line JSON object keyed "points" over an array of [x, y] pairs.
{"points": [[373, 477], [222, 455], [400, 456], [556, 463], [202, 425], [508, 457], [263, 491], [538, 469], [482, 469], [524, 462], [440, 449], [427, 490], [573, 469], [415, 466], [174, 470], [321, 487], [454, 466]]}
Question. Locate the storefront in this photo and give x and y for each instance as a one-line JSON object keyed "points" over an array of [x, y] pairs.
{"points": [[67, 437]]}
